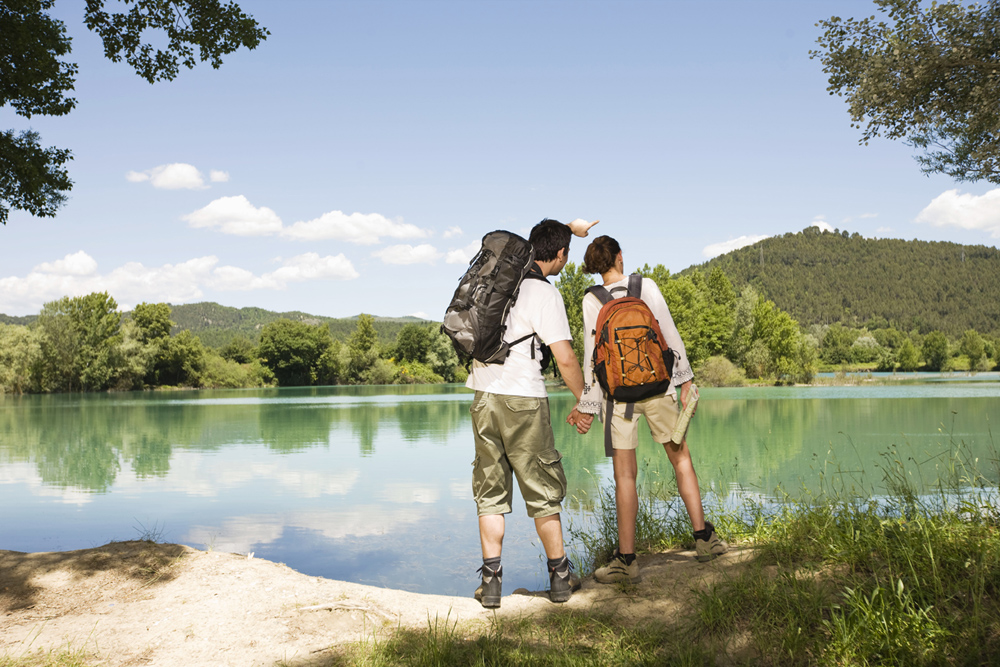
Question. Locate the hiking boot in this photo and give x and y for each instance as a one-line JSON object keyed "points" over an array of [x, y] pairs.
{"points": [[710, 547], [562, 583], [488, 592], [617, 570]]}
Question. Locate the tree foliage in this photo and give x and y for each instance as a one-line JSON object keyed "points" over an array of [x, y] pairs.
{"points": [[36, 80], [572, 284], [929, 75], [826, 277]]}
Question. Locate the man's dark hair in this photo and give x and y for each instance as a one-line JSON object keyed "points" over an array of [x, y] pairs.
{"points": [[548, 237]]}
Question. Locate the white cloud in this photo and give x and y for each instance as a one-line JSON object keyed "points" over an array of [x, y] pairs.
{"points": [[407, 254], [360, 228], [77, 264], [237, 216], [965, 211], [131, 283], [883, 230], [217, 176], [422, 315], [452, 231], [462, 255], [710, 251], [311, 266], [823, 225], [176, 176]]}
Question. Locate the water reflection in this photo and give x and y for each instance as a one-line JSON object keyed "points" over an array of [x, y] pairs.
{"points": [[359, 483]]}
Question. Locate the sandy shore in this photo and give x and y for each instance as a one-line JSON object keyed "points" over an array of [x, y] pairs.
{"points": [[131, 603]]}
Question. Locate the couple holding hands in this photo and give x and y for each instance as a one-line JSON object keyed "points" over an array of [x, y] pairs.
{"points": [[513, 431]]}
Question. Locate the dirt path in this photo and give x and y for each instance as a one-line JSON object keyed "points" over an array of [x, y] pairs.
{"points": [[140, 603]]}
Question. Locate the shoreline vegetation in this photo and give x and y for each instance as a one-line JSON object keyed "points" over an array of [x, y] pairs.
{"points": [[894, 574], [85, 343]]}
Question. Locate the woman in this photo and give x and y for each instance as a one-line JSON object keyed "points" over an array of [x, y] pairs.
{"points": [[604, 256]]}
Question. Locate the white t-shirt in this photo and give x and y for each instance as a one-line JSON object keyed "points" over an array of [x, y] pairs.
{"points": [[539, 309]]}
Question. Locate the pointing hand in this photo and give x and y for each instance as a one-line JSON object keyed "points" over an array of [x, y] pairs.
{"points": [[580, 227]]}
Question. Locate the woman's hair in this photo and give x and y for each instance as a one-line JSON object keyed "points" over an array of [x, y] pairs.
{"points": [[601, 255]]}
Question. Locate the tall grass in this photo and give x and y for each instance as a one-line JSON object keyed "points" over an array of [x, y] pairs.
{"points": [[905, 572]]}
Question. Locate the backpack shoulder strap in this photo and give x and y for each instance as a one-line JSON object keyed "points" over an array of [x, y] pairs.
{"points": [[601, 292], [536, 273], [635, 285]]}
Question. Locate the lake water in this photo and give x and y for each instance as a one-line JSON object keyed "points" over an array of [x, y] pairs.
{"points": [[373, 484]]}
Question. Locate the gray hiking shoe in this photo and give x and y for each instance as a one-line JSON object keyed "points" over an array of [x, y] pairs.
{"points": [[563, 583], [617, 570], [711, 547], [488, 592]]}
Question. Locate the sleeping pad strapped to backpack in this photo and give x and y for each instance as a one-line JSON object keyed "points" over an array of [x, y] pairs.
{"points": [[475, 319]]}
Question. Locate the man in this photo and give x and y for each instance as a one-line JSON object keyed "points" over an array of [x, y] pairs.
{"points": [[511, 423]]}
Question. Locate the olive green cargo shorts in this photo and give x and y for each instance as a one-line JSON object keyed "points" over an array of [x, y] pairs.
{"points": [[514, 435]]}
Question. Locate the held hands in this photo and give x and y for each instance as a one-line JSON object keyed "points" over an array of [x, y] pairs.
{"points": [[580, 420], [580, 227]]}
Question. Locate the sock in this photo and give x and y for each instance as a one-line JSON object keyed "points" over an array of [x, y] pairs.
{"points": [[492, 564], [704, 533], [628, 559], [558, 564]]}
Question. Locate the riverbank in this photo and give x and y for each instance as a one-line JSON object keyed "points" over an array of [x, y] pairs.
{"points": [[169, 605]]}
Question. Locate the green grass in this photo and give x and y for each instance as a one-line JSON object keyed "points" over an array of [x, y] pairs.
{"points": [[902, 576]]}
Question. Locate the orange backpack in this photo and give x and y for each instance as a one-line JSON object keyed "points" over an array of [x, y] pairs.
{"points": [[631, 358]]}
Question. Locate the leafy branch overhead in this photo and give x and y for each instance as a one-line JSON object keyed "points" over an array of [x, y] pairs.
{"points": [[929, 74], [36, 80]]}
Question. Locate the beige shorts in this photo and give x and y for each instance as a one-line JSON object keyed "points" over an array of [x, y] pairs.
{"points": [[514, 438], [661, 416]]}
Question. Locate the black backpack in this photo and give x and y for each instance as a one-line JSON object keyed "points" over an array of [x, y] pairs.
{"points": [[475, 318]]}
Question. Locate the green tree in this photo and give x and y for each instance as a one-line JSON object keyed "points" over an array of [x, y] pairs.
{"points": [[935, 351], [907, 356], [35, 80], [181, 361], [364, 348], [928, 76], [20, 353], [239, 349], [572, 284], [973, 347], [413, 341], [293, 350], [78, 335], [153, 320]]}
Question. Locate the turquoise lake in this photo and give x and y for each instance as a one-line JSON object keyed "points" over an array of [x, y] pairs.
{"points": [[373, 484]]}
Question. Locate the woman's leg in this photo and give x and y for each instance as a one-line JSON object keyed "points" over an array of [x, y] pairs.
{"points": [[626, 498], [687, 483]]}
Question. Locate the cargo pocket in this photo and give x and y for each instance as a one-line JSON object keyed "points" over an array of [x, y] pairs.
{"points": [[478, 479], [550, 464], [521, 403]]}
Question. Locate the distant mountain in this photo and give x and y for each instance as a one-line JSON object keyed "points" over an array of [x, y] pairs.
{"points": [[827, 277], [216, 325], [13, 319]]}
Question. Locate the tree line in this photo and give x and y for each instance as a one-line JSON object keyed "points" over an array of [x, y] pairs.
{"points": [[86, 344]]}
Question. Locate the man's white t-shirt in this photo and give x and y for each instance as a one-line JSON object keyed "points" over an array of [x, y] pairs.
{"points": [[539, 309]]}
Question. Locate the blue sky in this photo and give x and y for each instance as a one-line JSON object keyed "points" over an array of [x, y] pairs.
{"points": [[353, 161]]}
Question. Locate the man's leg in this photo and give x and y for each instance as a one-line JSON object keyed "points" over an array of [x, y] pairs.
{"points": [[491, 527], [550, 533]]}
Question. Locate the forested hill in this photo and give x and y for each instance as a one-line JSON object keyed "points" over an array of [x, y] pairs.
{"points": [[216, 325], [826, 277]]}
